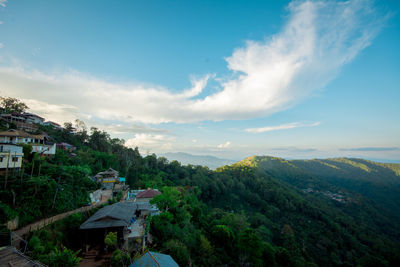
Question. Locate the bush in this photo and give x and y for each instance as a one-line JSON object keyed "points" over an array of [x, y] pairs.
{"points": [[120, 258]]}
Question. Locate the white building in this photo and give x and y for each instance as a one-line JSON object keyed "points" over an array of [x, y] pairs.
{"points": [[10, 156], [33, 118], [39, 142], [53, 124]]}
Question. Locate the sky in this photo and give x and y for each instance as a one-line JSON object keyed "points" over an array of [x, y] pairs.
{"points": [[294, 79]]}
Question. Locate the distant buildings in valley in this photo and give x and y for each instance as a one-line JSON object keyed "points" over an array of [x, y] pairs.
{"points": [[334, 196]]}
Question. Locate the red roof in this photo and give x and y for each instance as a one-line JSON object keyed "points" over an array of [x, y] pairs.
{"points": [[150, 193]]}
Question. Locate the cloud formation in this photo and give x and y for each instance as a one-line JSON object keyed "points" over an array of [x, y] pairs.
{"points": [[281, 127], [371, 149], [3, 3], [225, 145], [151, 142], [269, 76]]}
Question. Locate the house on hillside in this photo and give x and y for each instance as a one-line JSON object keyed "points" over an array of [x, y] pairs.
{"points": [[66, 147], [33, 118], [11, 156], [154, 259], [113, 218], [20, 120], [147, 195], [53, 124], [40, 142], [107, 178], [128, 219]]}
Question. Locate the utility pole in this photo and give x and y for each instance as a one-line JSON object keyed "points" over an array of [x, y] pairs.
{"points": [[8, 163], [33, 166], [15, 156], [55, 194], [40, 166]]}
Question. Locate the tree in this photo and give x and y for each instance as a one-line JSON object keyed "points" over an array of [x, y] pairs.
{"points": [[168, 199], [64, 257], [111, 239], [250, 246], [27, 149], [12, 105], [119, 258], [178, 251]]}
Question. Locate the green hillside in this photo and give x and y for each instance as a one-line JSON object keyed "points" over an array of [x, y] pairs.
{"points": [[376, 182], [262, 211]]}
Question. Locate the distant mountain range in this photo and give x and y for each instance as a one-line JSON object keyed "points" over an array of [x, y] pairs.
{"points": [[205, 160]]}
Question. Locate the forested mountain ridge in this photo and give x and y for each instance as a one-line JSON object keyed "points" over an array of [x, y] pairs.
{"points": [[203, 160], [379, 182]]}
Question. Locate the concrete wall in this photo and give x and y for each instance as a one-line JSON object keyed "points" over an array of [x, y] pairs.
{"points": [[48, 149], [10, 155]]}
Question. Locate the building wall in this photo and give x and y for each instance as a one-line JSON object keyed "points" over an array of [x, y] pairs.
{"points": [[48, 149], [12, 160], [143, 199], [10, 148]]}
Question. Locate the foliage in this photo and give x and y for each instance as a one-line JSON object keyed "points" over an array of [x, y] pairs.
{"points": [[260, 211], [168, 199], [119, 258], [64, 257], [12, 105], [55, 244], [111, 239]]}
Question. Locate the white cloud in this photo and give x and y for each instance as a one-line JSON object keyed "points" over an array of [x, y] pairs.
{"points": [[131, 128], [272, 75], [226, 145], [1, 45], [1, 22], [281, 127], [3, 3], [151, 142]]}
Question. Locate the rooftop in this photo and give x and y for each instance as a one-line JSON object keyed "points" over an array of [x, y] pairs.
{"points": [[149, 193], [155, 259], [116, 215], [17, 133], [110, 171], [10, 256]]}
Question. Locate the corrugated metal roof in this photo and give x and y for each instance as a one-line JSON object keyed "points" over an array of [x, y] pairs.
{"points": [[17, 133], [150, 193], [155, 259], [116, 215], [10, 256]]}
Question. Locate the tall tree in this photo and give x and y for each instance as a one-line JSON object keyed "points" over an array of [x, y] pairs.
{"points": [[12, 105]]}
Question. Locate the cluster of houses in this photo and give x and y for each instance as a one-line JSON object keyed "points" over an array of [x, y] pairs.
{"points": [[11, 152], [27, 121], [11, 141], [128, 219]]}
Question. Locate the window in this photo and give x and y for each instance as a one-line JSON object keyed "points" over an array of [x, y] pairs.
{"points": [[1, 159], [14, 159]]}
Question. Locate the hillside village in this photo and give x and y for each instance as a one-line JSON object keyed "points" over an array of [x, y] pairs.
{"points": [[70, 196], [22, 135]]}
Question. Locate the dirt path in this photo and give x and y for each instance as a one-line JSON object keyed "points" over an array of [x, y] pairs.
{"points": [[42, 223]]}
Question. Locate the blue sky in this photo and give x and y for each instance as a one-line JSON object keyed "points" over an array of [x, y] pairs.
{"points": [[231, 79]]}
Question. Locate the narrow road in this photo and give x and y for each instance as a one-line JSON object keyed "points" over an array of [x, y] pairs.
{"points": [[42, 223]]}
